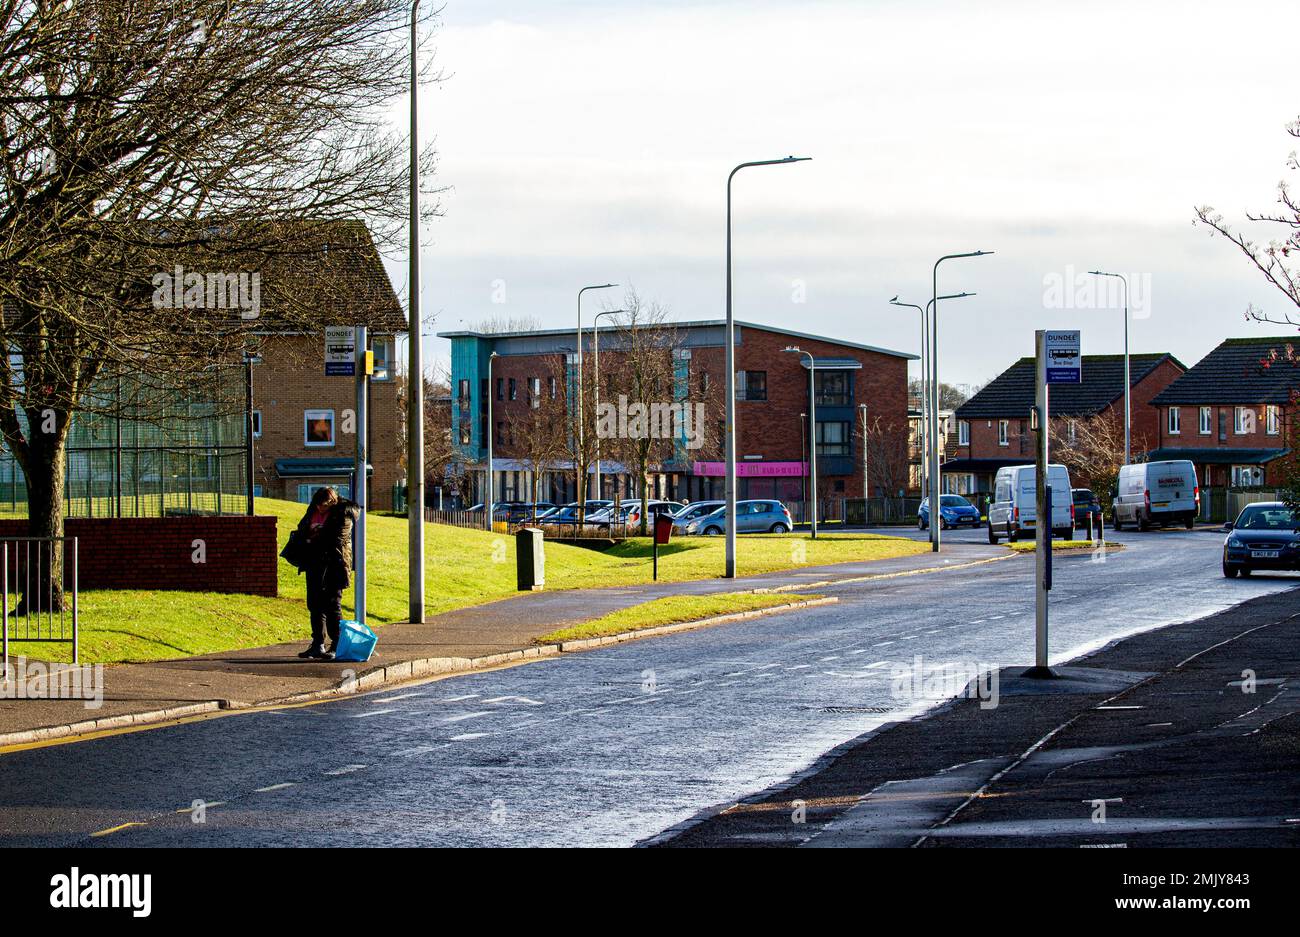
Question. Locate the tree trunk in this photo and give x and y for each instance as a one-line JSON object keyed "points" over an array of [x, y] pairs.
{"points": [[44, 468]]}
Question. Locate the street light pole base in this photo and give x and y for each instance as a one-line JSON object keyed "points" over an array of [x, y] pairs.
{"points": [[1039, 673]]}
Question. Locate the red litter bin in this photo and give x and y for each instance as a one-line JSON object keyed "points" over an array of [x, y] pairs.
{"points": [[663, 533]]}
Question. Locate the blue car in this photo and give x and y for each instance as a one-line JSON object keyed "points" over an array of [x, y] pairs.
{"points": [[954, 511]]}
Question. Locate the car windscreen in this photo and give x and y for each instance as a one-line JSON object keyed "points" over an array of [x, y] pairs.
{"points": [[1267, 518], [954, 501]]}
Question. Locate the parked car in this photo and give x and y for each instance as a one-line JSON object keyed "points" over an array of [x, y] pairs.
{"points": [[760, 516], [1013, 512], [1156, 493], [568, 514], [954, 511], [1265, 535], [1087, 504], [629, 512], [521, 512], [693, 512]]}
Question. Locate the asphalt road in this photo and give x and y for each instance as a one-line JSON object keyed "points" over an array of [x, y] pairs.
{"points": [[601, 748]]}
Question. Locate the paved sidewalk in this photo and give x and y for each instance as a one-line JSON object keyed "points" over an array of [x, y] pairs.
{"points": [[1155, 734], [494, 634]]}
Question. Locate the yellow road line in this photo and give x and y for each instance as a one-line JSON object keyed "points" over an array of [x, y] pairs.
{"points": [[114, 829]]}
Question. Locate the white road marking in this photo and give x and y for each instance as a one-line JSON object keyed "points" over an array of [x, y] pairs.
{"points": [[882, 643], [457, 699], [800, 667], [203, 806], [273, 787], [463, 716], [470, 735], [520, 699], [417, 750], [832, 657], [346, 769], [377, 712], [878, 664]]}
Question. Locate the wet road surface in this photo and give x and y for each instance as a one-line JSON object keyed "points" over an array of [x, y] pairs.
{"points": [[607, 747]]}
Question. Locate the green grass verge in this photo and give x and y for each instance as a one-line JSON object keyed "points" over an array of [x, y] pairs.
{"points": [[670, 610], [1028, 546], [464, 567]]}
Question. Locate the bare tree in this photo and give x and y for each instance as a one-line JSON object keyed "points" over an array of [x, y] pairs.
{"points": [[538, 433], [1277, 259], [221, 135], [1092, 448]]}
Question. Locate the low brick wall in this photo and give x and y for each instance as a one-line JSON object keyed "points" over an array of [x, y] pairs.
{"points": [[241, 553]]}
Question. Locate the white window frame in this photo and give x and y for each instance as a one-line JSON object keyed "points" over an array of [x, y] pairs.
{"points": [[257, 424], [1239, 421], [388, 344], [963, 433], [1206, 426], [307, 417], [1174, 426], [1004, 432], [1273, 420]]}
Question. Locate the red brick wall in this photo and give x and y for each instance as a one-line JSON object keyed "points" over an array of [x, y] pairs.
{"points": [[157, 553], [1191, 437]]}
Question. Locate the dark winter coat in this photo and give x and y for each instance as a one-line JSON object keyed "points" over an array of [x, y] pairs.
{"points": [[330, 551]]}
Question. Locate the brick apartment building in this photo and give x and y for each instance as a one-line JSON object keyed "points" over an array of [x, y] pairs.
{"points": [[303, 434], [993, 427], [772, 394], [1232, 414]]}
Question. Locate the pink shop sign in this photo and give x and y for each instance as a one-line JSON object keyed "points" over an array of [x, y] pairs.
{"points": [[754, 469]]}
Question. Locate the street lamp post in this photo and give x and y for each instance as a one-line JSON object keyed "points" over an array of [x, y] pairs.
{"points": [[1128, 406], [580, 483], [935, 483], [866, 482], [595, 400], [925, 371], [491, 430], [414, 366], [729, 428], [812, 443]]}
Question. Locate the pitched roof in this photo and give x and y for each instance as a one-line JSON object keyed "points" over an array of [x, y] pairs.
{"points": [[1224, 455], [1240, 371], [1011, 393]]}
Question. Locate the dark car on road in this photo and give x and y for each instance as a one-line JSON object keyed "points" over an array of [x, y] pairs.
{"points": [[1086, 504], [1265, 535]]}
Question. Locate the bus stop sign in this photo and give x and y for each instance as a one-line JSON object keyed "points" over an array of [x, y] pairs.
{"points": [[1064, 362]]}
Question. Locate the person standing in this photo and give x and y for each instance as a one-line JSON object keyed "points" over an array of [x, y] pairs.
{"points": [[326, 530]]}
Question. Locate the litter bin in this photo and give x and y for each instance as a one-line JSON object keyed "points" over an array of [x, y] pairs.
{"points": [[530, 559], [663, 528]]}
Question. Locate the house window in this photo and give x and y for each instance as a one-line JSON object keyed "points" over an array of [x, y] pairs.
{"points": [[464, 392], [755, 385], [1243, 421], [318, 428], [383, 349], [1175, 421], [833, 389], [305, 492], [550, 387], [465, 432], [501, 388], [1207, 417], [535, 392], [833, 438], [1004, 428], [963, 433], [257, 424], [514, 391], [1272, 420], [1247, 476]]}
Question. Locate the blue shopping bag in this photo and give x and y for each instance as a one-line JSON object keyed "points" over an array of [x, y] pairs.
{"points": [[356, 642]]}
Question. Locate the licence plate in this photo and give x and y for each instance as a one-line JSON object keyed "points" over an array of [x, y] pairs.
{"points": [[1264, 554], [1160, 504]]}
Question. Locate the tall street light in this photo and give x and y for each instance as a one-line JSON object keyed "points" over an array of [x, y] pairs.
{"points": [[580, 495], [595, 391], [812, 443], [866, 479], [936, 485], [414, 365], [925, 370], [1128, 406], [729, 429], [491, 431]]}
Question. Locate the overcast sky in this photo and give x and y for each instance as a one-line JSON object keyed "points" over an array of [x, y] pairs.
{"points": [[586, 141]]}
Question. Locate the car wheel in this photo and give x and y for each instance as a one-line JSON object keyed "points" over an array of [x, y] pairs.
{"points": [[993, 537], [779, 529], [711, 531], [920, 524], [1230, 571], [1144, 522], [943, 524], [1245, 570], [1011, 534], [1191, 522], [1115, 522]]}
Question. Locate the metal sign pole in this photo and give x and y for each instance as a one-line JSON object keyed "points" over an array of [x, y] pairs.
{"points": [[1043, 510], [359, 485]]}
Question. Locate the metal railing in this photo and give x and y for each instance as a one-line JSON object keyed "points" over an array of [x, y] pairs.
{"points": [[38, 621]]}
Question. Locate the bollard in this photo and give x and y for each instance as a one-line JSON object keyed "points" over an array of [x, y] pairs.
{"points": [[530, 559]]}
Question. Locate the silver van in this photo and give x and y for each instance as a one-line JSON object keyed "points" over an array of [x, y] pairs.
{"points": [[1156, 494], [1013, 511]]}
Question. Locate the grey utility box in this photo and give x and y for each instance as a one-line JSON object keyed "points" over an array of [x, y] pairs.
{"points": [[530, 557]]}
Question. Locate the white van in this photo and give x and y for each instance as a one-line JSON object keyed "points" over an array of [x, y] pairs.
{"points": [[1156, 493], [1013, 511]]}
